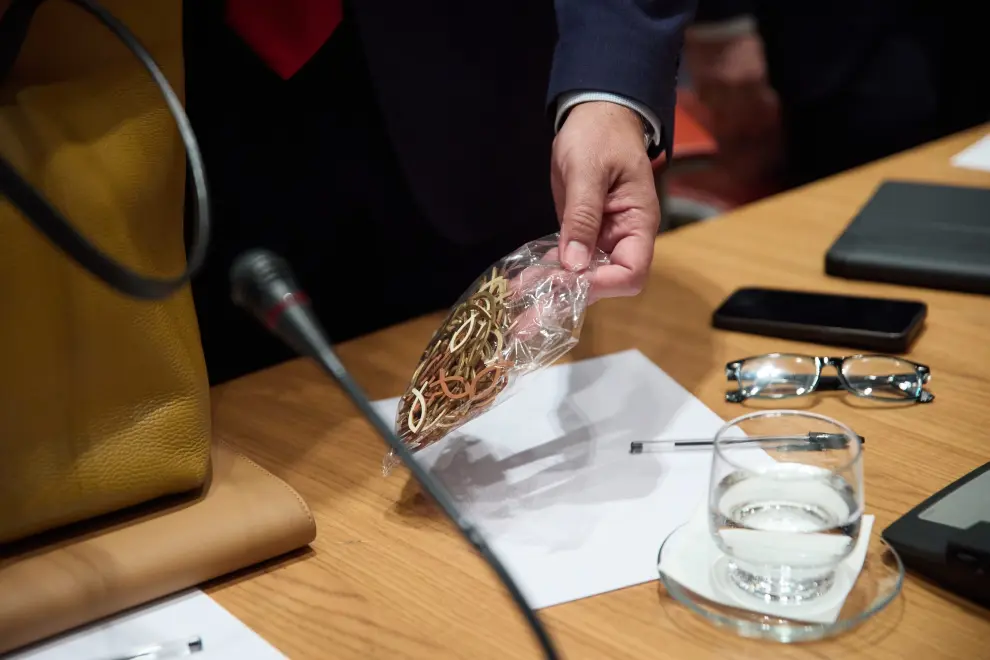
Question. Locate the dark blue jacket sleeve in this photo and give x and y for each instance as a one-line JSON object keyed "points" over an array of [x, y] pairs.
{"points": [[626, 47]]}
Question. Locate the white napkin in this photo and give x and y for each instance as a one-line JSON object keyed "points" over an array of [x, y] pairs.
{"points": [[692, 563], [974, 157]]}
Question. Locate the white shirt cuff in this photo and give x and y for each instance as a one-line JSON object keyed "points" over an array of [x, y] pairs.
{"points": [[571, 99]]}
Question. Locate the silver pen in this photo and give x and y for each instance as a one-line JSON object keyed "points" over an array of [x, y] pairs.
{"points": [[178, 648], [808, 442]]}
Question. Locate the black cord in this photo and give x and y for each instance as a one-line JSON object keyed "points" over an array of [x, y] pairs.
{"points": [[435, 489], [49, 221]]}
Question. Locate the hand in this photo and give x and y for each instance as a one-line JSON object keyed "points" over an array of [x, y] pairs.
{"points": [[605, 196], [729, 73], [730, 76]]}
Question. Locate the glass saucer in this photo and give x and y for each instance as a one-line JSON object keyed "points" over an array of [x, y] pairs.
{"points": [[876, 587]]}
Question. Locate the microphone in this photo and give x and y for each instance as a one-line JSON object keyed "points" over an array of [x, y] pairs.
{"points": [[262, 283]]}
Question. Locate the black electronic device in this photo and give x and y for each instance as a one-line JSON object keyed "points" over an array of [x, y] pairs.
{"points": [[875, 324], [919, 234], [947, 537]]}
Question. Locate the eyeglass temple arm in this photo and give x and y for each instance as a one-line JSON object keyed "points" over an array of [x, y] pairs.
{"points": [[825, 384], [831, 383]]}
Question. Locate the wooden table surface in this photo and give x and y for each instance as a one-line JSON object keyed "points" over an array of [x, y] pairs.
{"points": [[388, 577]]}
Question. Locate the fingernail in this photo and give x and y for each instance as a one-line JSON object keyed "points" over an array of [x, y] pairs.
{"points": [[577, 255]]}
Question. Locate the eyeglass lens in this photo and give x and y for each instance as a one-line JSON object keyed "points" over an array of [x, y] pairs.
{"points": [[879, 377]]}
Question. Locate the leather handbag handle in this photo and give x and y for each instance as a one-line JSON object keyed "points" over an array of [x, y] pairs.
{"points": [[48, 220]]}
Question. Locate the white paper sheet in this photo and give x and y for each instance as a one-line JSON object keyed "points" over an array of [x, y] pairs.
{"points": [[190, 614], [695, 570], [548, 477], [975, 156]]}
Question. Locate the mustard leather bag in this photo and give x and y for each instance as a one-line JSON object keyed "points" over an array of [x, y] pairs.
{"points": [[104, 399]]}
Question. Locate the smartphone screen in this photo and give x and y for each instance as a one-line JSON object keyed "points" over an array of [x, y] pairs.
{"points": [[780, 307]]}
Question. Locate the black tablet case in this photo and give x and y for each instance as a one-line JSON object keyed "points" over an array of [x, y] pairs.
{"points": [[957, 559], [918, 234]]}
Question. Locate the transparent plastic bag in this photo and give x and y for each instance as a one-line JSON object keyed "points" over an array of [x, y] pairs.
{"points": [[521, 315]]}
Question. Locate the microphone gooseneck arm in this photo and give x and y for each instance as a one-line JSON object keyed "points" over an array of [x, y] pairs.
{"points": [[263, 284]]}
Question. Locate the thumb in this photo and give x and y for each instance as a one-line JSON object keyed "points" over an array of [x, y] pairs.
{"points": [[585, 189]]}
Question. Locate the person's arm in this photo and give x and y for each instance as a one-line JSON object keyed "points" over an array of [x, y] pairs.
{"points": [[619, 58], [627, 50], [651, 123], [724, 57]]}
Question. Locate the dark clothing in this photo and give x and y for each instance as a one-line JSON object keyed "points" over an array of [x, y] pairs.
{"points": [[862, 79], [305, 168], [411, 152]]}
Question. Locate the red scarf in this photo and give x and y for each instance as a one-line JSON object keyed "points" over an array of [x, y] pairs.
{"points": [[284, 33]]}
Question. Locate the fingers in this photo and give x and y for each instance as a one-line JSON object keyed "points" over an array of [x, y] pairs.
{"points": [[605, 195], [628, 270], [557, 188], [585, 187], [629, 235]]}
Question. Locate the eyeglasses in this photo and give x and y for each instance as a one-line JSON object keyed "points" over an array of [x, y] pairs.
{"points": [[782, 375]]}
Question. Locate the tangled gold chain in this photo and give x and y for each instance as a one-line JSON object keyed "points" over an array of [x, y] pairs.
{"points": [[462, 371]]}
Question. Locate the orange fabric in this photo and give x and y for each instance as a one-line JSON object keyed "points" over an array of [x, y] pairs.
{"points": [[691, 136], [692, 139]]}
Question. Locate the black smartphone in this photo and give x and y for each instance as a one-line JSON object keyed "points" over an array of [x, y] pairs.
{"points": [[875, 324]]}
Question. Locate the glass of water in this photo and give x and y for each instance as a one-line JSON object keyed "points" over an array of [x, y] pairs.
{"points": [[785, 502]]}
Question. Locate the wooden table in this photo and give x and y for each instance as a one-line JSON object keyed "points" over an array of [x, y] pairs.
{"points": [[388, 577]]}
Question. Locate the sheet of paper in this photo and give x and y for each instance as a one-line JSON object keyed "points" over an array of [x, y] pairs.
{"points": [[975, 156], [548, 478], [694, 569], [187, 615]]}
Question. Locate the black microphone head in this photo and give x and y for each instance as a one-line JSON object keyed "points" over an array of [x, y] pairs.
{"points": [[261, 280], [262, 283]]}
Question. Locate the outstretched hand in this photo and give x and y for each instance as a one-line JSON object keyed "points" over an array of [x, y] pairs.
{"points": [[605, 196]]}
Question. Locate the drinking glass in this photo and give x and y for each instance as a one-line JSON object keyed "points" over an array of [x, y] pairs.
{"points": [[785, 502]]}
